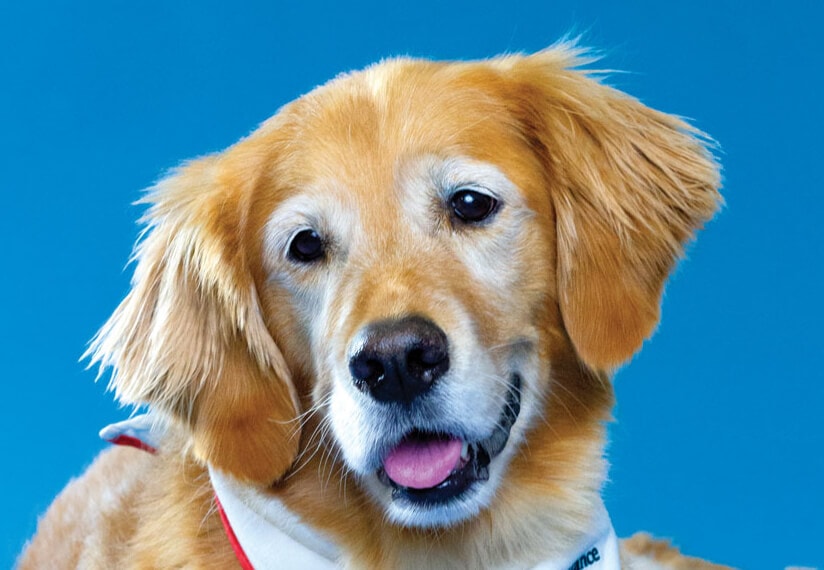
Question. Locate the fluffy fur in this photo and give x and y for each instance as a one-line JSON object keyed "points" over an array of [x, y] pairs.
{"points": [[244, 351]]}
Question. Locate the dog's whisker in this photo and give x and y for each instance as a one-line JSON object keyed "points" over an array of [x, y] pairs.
{"points": [[305, 417], [313, 446], [316, 407], [333, 465], [319, 436], [308, 416], [324, 464], [571, 394]]}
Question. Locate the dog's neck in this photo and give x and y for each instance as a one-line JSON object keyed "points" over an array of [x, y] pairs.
{"points": [[267, 535], [268, 531]]}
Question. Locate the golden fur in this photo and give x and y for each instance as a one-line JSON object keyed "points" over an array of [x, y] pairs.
{"points": [[211, 336]]}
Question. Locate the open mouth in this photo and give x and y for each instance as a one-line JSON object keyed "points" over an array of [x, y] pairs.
{"points": [[431, 468]]}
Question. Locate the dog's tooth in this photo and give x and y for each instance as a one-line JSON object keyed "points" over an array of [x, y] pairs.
{"points": [[465, 450]]}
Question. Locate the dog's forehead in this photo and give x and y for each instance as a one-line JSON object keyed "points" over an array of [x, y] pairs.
{"points": [[366, 126]]}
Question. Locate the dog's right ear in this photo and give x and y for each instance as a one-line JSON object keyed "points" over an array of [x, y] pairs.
{"points": [[189, 338], [629, 185]]}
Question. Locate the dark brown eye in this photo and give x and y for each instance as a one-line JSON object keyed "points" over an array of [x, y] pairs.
{"points": [[471, 206], [306, 246]]}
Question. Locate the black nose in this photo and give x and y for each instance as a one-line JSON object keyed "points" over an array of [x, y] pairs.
{"points": [[397, 360]]}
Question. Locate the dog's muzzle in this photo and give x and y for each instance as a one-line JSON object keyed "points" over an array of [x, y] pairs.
{"points": [[397, 362]]}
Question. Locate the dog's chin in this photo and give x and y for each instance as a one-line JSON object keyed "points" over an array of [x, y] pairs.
{"points": [[457, 494], [404, 512]]}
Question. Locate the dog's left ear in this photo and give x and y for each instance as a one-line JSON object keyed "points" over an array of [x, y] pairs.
{"points": [[629, 186], [190, 338]]}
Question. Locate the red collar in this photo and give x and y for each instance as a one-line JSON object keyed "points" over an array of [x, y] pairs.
{"points": [[230, 534]]}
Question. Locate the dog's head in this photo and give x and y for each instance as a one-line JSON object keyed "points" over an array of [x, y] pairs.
{"points": [[440, 261]]}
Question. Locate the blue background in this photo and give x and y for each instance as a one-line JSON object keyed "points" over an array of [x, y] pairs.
{"points": [[718, 441]]}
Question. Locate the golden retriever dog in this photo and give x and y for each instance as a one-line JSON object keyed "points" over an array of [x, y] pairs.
{"points": [[378, 332]]}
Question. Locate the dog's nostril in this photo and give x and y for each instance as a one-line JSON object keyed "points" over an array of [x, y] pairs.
{"points": [[366, 371], [427, 363], [397, 360], [428, 356]]}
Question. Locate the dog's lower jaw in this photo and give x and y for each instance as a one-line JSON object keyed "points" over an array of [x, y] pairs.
{"points": [[469, 488], [466, 505]]}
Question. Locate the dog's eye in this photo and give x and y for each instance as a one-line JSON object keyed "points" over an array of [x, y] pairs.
{"points": [[471, 206], [306, 246]]}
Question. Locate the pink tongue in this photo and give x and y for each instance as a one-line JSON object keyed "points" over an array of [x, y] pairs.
{"points": [[422, 463]]}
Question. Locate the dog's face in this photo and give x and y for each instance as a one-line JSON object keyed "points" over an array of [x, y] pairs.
{"points": [[417, 269], [439, 263]]}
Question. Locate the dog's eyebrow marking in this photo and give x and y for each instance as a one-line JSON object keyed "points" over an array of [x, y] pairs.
{"points": [[487, 253], [456, 172], [424, 181], [324, 207], [446, 174]]}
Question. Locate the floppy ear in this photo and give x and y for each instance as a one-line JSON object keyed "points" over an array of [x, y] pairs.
{"points": [[630, 186], [189, 339]]}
